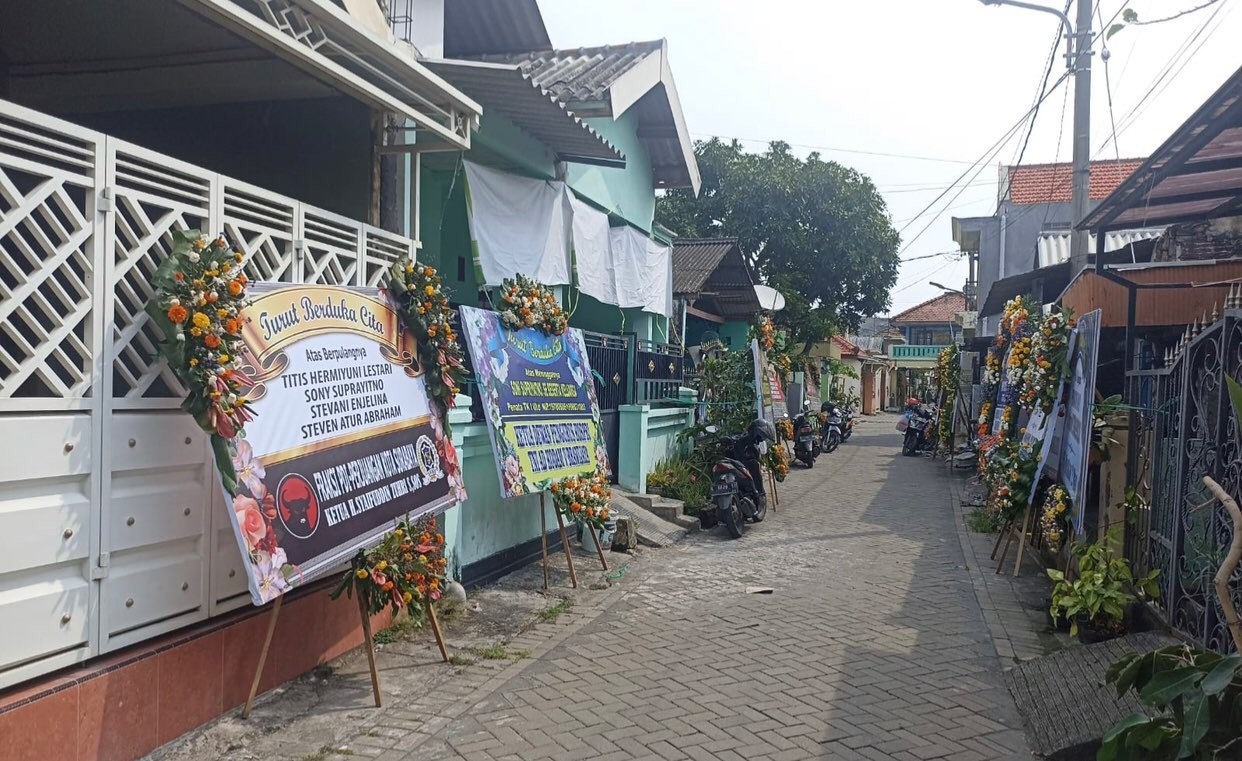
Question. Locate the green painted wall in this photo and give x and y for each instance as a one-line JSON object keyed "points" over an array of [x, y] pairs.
{"points": [[735, 333], [627, 193]]}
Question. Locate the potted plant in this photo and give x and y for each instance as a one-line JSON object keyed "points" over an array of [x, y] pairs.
{"points": [[1095, 601]]}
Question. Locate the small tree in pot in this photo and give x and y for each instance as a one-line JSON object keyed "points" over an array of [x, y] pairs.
{"points": [[1095, 601]]}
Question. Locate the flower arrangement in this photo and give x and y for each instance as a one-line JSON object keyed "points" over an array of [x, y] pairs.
{"points": [[1014, 317], [1046, 362], [584, 499], [1009, 473], [784, 366], [784, 430], [765, 332], [527, 303], [985, 418], [404, 571], [1054, 516], [424, 308], [948, 374], [992, 370], [776, 460], [1016, 371], [201, 290]]}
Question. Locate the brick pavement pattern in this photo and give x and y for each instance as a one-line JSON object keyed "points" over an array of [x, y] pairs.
{"points": [[872, 645]]}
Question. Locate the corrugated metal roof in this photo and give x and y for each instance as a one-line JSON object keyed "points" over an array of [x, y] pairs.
{"points": [[584, 79], [582, 75], [482, 27], [510, 91], [713, 272], [694, 261], [1054, 247]]}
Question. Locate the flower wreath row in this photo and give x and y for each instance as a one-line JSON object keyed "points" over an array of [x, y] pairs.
{"points": [[527, 303]]}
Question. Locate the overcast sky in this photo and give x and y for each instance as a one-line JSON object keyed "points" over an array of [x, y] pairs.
{"points": [[943, 79]]}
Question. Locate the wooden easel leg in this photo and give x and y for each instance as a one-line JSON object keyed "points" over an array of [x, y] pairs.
{"points": [[599, 549], [435, 629], [370, 646], [1026, 519], [1005, 553], [776, 500], [1004, 531], [569, 555], [267, 645], [543, 538]]}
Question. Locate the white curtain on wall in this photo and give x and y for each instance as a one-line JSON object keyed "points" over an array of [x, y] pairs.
{"points": [[518, 225], [644, 271], [592, 251]]}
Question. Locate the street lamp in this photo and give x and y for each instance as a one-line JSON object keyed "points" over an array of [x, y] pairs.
{"points": [[946, 288]]}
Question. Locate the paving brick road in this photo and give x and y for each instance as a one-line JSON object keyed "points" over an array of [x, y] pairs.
{"points": [[872, 645]]}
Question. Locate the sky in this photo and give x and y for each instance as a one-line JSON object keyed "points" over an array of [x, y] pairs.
{"points": [[936, 79]]}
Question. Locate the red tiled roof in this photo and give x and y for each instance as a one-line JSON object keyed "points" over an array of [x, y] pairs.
{"points": [[1053, 183], [943, 308], [848, 349]]}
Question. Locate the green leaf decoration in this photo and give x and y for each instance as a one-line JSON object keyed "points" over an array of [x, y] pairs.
{"points": [[1168, 686], [1195, 720], [1219, 678], [1129, 722]]}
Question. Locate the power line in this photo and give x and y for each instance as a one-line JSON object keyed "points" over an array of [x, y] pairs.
{"points": [[912, 157], [1108, 87]]}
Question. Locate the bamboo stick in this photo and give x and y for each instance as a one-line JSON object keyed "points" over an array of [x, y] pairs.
{"points": [[1230, 564]]}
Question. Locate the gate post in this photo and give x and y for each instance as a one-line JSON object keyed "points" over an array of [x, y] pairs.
{"points": [[631, 468]]}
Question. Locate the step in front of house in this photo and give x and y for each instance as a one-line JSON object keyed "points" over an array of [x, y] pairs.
{"points": [[671, 510], [653, 529]]}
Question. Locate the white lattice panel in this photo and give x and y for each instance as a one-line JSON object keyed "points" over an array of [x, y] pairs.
{"points": [[261, 225], [332, 248], [382, 250], [154, 195], [47, 179]]}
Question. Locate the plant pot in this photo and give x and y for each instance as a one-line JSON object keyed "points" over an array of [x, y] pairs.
{"points": [[1090, 632], [1057, 623]]}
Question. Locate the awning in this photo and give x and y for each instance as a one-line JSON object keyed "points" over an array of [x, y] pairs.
{"points": [[1166, 293], [323, 40], [1196, 175], [1054, 247], [505, 88]]}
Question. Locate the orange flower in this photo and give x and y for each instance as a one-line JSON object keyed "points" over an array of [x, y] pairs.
{"points": [[179, 277], [178, 314], [212, 297], [235, 288], [211, 341], [232, 326]]}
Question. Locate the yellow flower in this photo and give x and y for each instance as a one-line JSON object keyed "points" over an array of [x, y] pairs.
{"points": [[429, 290], [381, 565], [193, 362], [196, 332], [223, 359], [201, 320], [237, 256], [362, 573], [222, 313]]}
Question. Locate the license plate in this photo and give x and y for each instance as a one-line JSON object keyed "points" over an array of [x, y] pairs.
{"points": [[806, 440], [722, 488]]}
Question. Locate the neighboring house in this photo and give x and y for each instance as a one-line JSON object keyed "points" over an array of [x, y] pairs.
{"points": [[119, 124], [1031, 226], [926, 328], [714, 291], [558, 184]]}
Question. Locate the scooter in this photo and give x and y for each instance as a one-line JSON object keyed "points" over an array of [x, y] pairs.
{"points": [[917, 424], [847, 429], [806, 443], [834, 431], [737, 479]]}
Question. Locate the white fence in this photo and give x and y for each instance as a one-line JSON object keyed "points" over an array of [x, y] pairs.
{"points": [[112, 528]]}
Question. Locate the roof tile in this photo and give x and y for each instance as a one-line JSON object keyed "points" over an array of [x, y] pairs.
{"points": [[582, 74], [1053, 183], [943, 308]]}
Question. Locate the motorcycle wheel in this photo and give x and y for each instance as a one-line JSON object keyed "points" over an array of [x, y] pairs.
{"points": [[761, 507], [834, 441], [731, 515], [910, 444]]}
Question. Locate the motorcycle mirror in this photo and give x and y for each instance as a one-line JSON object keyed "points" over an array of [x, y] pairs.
{"points": [[711, 429]]}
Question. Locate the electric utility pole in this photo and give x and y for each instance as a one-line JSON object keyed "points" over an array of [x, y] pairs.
{"points": [[1078, 59]]}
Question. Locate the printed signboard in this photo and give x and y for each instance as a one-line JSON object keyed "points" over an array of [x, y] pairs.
{"points": [[771, 399], [1076, 441], [537, 390], [344, 441]]}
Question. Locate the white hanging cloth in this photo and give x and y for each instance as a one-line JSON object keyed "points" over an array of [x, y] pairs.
{"points": [[518, 225], [642, 270], [592, 251], [658, 279]]}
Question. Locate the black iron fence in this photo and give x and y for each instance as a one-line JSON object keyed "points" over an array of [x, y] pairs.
{"points": [[659, 371], [1182, 428], [610, 361]]}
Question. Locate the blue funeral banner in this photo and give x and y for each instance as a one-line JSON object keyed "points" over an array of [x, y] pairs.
{"points": [[1076, 441], [539, 397]]}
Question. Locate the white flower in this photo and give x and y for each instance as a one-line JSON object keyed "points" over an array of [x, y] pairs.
{"points": [[214, 295], [193, 257], [174, 301], [269, 572], [181, 336], [249, 469]]}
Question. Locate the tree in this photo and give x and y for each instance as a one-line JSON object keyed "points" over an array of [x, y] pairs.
{"points": [[817, 231]]}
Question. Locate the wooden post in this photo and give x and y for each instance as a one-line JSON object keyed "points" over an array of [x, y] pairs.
{"points": [[1000, 535], [435, 628], [267, 645], [1026, 519], [543, 538], [369, 644], [599, 549], [1230, 563], [1005, 553], [776, 500], [569, 555]]}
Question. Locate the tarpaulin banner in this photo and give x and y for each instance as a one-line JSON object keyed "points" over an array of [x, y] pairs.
{"points": [[537, 390], [344, 441]]}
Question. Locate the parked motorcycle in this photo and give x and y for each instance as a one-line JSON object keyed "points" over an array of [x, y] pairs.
{"points": [[917, 423], [806, 443], [737, 478], [847, 424], [833, 427]]}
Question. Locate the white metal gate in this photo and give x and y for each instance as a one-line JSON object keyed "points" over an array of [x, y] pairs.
{"points": [[112, 528]]}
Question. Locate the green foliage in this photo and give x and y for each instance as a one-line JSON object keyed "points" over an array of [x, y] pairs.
{"points": [[1196, 695], [981, 521], [1104, 586], [817, 231], [727, 385], [1102, 434], [685, 477]]}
